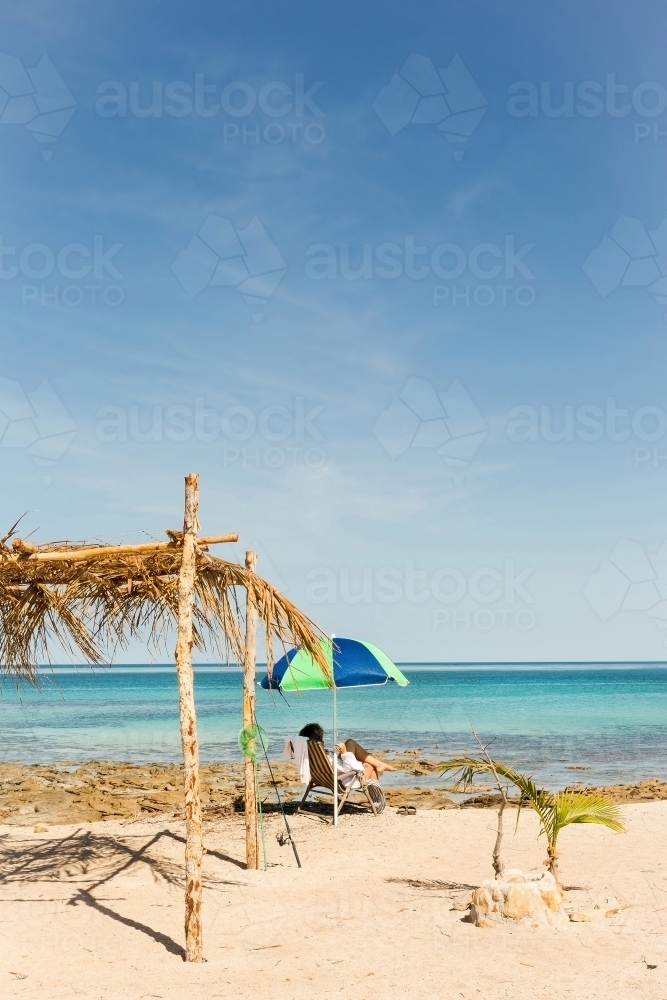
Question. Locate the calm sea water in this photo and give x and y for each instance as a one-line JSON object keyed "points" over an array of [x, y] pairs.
{"points": [[549, 718]]}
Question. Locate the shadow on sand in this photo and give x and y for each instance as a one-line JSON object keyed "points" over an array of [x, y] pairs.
{"points": [[87, 861]]}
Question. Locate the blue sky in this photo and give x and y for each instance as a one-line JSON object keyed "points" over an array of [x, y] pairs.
{"points": [[531, 549]]}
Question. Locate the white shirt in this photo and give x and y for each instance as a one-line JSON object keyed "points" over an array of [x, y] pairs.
{"points": [[347, 766]]}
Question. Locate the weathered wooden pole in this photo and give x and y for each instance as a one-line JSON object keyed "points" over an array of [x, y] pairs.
{"points": [[251, 846], [193, 818]]}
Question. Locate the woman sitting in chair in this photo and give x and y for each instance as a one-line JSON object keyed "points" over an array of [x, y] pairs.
{"points": [[351, 756]]}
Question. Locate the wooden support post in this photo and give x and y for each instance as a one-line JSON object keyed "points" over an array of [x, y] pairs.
{"points": [[193, 817], [251, 845]]}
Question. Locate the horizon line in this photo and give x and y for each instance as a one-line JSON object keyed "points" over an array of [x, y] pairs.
{"points": [[402, 663]]}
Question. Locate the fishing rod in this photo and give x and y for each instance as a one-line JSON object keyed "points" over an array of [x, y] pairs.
{"points": [[280, 801]]}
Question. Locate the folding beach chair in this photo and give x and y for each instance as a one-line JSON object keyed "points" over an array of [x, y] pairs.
{"points": [[322, 779]]}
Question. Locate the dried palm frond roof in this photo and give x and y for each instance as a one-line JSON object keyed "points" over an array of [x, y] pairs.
{"points": [[88, 599]]}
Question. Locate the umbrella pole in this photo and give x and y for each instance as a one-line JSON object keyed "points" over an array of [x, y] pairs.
{"points": [[335, 769]]}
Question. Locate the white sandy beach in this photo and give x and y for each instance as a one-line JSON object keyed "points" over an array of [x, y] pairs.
{"points": [[96, 911]]}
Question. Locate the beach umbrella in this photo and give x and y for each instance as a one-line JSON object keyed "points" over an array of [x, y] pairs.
{"points": [[351, 662]]}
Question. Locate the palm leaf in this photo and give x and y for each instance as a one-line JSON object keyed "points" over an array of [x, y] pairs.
{"points": [[554, 811], [583, 807], [467, 767], [470, 767]]}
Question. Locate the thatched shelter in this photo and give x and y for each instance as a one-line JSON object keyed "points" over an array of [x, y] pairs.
{"points": [[91, 599]]}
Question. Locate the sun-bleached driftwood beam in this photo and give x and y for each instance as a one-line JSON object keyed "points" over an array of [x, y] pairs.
{"points": [[104, 551], [217, 539], [177, 538]]}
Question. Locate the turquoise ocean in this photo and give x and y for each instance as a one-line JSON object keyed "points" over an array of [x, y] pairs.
{"points": [[547, 718]]}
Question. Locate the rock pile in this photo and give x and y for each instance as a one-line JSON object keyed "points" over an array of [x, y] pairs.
{"points": [[518, 898]]}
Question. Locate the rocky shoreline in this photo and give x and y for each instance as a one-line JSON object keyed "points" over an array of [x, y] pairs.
{"points": [[104, 790]]}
